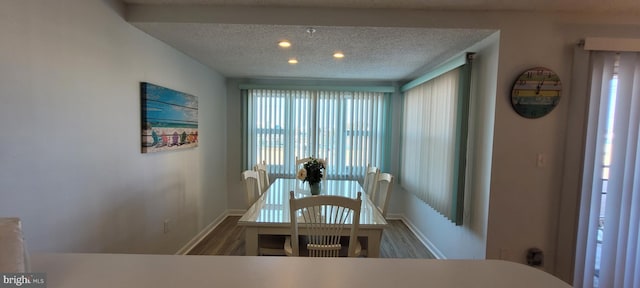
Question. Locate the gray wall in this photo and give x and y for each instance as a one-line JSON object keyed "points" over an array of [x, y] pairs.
{"points": [[70, 163]]}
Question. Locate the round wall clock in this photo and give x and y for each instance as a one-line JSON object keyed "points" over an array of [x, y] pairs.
{"points": [[536, 92]]}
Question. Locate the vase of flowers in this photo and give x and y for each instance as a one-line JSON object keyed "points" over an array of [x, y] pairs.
{"points": [[312, 172]]}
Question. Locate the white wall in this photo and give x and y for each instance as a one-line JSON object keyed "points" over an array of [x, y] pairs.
{"points": [[524, 198], [70, 161]]}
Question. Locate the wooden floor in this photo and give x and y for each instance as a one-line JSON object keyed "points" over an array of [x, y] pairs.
{"points": [[228, 239]]}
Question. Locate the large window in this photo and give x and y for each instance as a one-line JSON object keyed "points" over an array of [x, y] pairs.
{"points": [[434, 140], [346, 128]]}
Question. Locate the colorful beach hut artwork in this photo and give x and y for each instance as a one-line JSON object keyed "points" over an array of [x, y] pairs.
{"points": [[169, 119]]}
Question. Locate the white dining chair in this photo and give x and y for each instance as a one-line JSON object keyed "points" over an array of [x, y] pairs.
{"points": [[301, 161], [370, 180], [267, 244], [252, 188], [263, 176], [384, 186], [317, 225]]}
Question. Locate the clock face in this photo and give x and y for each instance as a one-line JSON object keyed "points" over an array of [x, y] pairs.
{"points": [[536, 92]]}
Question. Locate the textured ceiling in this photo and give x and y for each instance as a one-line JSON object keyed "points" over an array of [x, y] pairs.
{"points": [[372, 53], [238, 50]]}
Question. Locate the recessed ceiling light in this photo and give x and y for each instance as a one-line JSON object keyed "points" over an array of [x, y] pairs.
{"points": [[293, 61], [284, 44], [338, 55]]}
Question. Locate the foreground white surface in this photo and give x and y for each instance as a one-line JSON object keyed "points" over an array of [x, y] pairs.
{"points": [[129, 270]]}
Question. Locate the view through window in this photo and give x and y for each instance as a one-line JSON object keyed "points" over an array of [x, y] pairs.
{"points": [[606, 163]]}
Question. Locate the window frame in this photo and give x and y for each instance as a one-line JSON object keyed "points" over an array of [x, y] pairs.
{"points": [[318, 130]]}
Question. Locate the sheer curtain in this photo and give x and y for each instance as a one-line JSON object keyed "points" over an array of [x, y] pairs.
{"points": [[608, 244], [346, 128]]}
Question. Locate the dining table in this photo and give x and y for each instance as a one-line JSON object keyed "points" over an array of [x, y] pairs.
{"points": [[270, 214]]}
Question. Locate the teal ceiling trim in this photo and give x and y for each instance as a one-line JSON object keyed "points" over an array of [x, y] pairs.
{"points": [[382, 89], [451, 64]]}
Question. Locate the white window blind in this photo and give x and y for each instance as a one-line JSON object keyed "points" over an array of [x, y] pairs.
{"points": [[433, 160], [346, 128], [608, 239]]}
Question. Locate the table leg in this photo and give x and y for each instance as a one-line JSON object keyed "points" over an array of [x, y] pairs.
{"points": [[251, 241], [373, 250]]}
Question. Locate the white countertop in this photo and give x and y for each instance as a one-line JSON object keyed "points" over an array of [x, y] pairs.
{"points": [[158, 271]]}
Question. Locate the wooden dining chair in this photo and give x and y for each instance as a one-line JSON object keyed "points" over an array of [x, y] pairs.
{"points": [[318, 222], [370, 180], [252, 188], [263, 176], [267, 244], [383, 192], [301, 161]]}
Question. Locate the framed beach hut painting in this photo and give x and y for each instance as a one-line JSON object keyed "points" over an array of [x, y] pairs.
{"points": [[169, 119]]}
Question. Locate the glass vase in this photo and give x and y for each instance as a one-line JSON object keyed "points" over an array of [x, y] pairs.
{"points": [[314, 188]]}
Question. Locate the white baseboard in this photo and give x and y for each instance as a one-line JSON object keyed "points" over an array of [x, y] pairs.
{"points": [[236, 212], [204, 232], [393, 216], [421, 237]]}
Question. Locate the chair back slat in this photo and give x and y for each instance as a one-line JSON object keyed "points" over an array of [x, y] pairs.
{"points": [[322, 220], [263, 175], [370, 180], [384, 187], [252, 186]]}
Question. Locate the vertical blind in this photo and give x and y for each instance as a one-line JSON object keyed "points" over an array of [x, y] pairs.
{"points": [[608, 252], [433, 159], [346, 128]]}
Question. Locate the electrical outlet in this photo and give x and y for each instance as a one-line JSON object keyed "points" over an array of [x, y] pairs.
{"points": [[535, 257], [166, 226]]}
